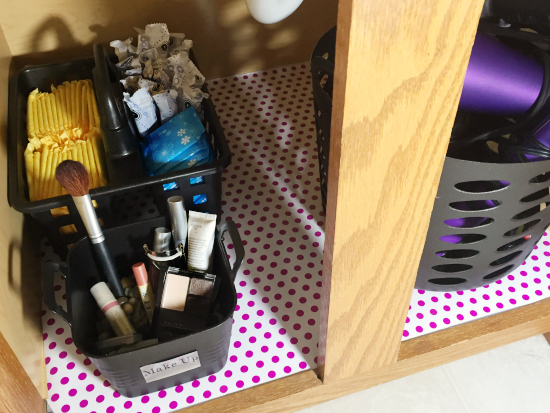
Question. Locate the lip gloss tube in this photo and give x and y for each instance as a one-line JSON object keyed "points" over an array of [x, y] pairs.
{"points": [[147, 296]]}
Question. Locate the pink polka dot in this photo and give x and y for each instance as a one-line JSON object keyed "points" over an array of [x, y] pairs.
{"points": [[190, 399], [405, 333], [71, 366], [228, 373], [419, 329], [53, 370], [145, 399], [54, 397], [72, 392], [446, 321], [433, 325], [249, 354], [233, 359], [90, 387], [460, 317], [64, 380], [116, 394], [66, 408], [100, 398], [271, 374], [156, 409], [110, 409], [127, 404], [211, 379], [162, 394], [207, 394], [223, 389], [52, 345], [173, 404], [473, 313], [239, 384], [83, 403], [196, 383]]}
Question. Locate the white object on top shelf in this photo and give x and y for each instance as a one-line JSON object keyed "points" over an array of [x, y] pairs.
{"points": [[272, 11]]}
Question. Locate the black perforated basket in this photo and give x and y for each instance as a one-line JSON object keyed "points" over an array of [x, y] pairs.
{"points": [[487, 217]]}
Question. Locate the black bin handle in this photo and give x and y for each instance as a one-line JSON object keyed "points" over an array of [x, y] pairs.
{"points": [[48, 272], [229, 226], [119, 138]]}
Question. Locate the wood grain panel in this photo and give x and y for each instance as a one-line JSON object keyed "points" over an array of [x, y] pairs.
{"points": [[423, 353], [399, 71], [17, 392], [227, 39], [255, 397], [20, 280]]}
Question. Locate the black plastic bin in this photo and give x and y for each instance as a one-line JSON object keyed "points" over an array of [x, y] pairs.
{"points": [[493, 240], [199, 186], [123, 370]]}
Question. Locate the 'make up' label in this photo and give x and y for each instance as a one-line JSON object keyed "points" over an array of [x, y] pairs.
{"points": [[168, 368]]}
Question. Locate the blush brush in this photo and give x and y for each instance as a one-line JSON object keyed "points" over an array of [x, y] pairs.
{"points": [[73, 176]]}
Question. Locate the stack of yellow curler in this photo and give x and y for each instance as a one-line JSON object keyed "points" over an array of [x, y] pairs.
{"points": [[61, 125]]}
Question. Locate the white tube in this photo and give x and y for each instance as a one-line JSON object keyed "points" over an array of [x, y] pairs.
{"points": [[200, 240], [113, 311], [178, 219]]}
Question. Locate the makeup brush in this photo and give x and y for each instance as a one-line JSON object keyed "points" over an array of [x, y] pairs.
{"points": [[73, 176]]}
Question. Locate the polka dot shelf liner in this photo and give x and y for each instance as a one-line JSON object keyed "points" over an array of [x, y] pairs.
{"points": [[271, 191]]}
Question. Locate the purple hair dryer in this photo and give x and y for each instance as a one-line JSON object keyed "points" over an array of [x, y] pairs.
{"points": [[500, 80]]}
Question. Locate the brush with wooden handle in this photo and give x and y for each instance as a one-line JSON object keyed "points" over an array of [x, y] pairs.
{"points": [[74, 177]]}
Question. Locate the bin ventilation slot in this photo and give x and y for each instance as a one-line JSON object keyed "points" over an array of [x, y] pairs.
{"points": [[536, 195], [469, 222], [514, 244], [496, 273], [522, 228], [505, 259], [457, 254], [462, 238], [476, 187], [451, 267], [479, 205], [447, 281], [540, 178], [531, 211], [171, 186]]}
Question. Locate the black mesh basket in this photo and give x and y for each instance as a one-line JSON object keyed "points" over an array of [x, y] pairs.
{"points": [[487, 217]]}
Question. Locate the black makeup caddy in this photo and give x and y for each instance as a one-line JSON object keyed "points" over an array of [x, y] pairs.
{"points": [[199, 186], [208, 347]]}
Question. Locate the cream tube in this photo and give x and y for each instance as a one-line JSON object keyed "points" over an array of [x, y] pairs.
{"points": [[200, 239], [147, 296], [111, 308]]}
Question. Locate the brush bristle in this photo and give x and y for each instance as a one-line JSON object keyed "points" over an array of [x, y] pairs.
{"points": [[73, 176]]}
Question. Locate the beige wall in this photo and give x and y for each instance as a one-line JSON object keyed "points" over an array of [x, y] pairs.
{"points": [[20, 281], [227, 40]]}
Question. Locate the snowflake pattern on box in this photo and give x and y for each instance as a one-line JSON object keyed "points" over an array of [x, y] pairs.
{"points": [[271, 191]]}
